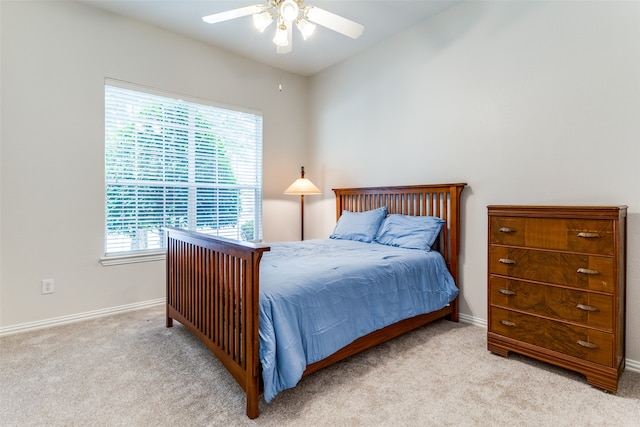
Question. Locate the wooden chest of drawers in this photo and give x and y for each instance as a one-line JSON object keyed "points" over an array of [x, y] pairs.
{"points": [[556, 290]]}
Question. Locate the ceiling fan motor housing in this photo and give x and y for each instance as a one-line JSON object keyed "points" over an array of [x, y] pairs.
{"points": [[289, 10]]}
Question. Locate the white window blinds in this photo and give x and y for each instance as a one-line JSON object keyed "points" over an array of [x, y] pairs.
{"points": [[180, 163]]}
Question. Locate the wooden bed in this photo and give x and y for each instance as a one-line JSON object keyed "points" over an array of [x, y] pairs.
{"points": [[213, 283]]}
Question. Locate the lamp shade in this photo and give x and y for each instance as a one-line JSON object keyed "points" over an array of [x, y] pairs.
{"points": [[262, 20], [306, 28], [302, 187], [281, 38]]}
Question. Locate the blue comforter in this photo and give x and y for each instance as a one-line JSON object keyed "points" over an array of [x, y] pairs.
{"points": [[317, 296]]}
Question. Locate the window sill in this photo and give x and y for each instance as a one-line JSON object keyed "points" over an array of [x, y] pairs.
{"points": [[109, 260]]}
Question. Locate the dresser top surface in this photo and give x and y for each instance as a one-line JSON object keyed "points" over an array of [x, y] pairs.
{"points": [[559, 211]]}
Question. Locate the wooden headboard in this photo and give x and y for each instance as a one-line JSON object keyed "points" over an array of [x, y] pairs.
{"points": [[440, 200]]}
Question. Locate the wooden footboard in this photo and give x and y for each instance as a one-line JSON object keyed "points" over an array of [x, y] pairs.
{"points": [[213, 290], [213, 283]]}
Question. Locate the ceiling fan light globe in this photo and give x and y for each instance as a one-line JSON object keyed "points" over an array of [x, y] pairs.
{"points": [[289, 10], [262, 20], [306, 28], [281, 38]]}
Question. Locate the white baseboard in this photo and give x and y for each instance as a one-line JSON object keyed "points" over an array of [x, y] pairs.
{"points": [[476, 321], [629, 365], [57, 321]]}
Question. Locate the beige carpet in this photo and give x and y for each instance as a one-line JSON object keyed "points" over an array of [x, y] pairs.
{"points": [[129, 370]]}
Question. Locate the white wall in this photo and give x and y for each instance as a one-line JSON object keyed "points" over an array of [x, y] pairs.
{"points": [[55, 56], [527, 102]]}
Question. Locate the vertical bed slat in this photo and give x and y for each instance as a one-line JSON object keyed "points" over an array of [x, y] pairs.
{"points": [[219, 305]]}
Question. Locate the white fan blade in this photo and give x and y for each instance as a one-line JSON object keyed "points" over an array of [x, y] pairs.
{"points": [[335, 22], [281, 50], [232, 14]]}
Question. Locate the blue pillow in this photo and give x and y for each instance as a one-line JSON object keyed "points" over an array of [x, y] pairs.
{"points": [[411, 232], [361, 226]]}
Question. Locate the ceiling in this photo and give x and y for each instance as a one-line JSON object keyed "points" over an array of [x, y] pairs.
{"points": [[380, 18]]}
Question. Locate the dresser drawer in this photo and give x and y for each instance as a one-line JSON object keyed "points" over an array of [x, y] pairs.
{"points": [[506, 230], [579, 271], [589, 236], [588, 344], [590, 309]]}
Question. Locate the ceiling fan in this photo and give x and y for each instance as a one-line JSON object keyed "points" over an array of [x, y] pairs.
{"points": [[286, 13]]}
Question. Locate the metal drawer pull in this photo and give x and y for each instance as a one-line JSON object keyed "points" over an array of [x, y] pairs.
{"points": [[506, 230], [587, 235], [588, 271], [506, 292], [506, 261], [587, 344], [507, 323], [586, 307]]}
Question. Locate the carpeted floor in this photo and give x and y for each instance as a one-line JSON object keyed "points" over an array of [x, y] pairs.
{"points": [[129, 370]]}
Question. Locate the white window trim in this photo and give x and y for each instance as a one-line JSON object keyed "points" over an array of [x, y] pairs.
{"points": [[132, 258]]}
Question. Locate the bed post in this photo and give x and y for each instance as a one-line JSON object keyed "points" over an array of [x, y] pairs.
{"points": [[252, 386], [454, 245]]}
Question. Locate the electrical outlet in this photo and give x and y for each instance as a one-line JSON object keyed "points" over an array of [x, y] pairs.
{"points": [[47, 286]]}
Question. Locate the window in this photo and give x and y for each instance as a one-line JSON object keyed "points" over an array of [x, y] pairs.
{"points": [[180, 163]]}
